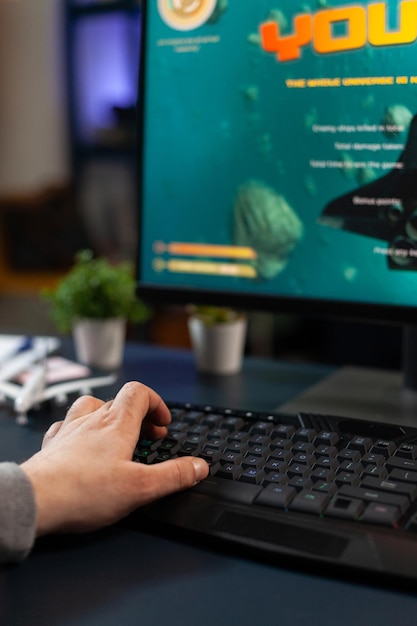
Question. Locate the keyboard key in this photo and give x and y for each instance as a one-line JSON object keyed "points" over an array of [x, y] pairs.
{"points": [[283, 431], [362, 444], [231, 457], [321, 474], [162, 456], [198, 430], [192, 417], [371, 458], [210, 455], [150, 444], [177, 436], [196, 440], [276, 495], [396, 462], [324, 450], [383, 514], [259, 440], [310, 501], [324, 486], [326, 462], [214, 444], [212, 420], [280, 444], [344, 507], [351, 467], [275, 477], [346, 478], [351, 455], [304, 434], [259, 451], [407, 451], [236, 446], [233, 491], [403, 476], [300, 483], [252, 475], [238, 436], [303, 447], [280, 455], [230, 471], [327, 438], [298, 469], [145, 456], [384, 447], [189, 449], [177, 427], [306, 459], [253, 461], [375, 470], [232, 424], [176, 414], [276, 466], [218, 433], [261, 428], [171, 447]]}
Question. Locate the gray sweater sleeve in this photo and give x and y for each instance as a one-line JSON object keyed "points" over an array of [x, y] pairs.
{"points": [[17, 514]]}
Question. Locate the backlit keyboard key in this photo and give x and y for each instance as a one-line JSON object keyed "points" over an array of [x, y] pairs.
{"points": [[310, 502]]}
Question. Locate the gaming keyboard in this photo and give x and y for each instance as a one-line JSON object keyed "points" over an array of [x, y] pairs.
{"points": [[338, 491]]}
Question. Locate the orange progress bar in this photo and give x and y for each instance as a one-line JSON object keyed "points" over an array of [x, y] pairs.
{"points": [[204, 250]]}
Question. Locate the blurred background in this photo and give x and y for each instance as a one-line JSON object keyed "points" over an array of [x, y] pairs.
{"points": [[68, 77]]}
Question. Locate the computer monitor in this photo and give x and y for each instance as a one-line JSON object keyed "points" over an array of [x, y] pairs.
{"points": [[278, 156]]}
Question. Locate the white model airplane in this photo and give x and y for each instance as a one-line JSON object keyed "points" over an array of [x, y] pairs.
{"points": [[43, 377]]}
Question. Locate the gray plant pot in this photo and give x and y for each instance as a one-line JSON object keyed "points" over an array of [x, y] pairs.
{"points": [[100, 343], [218, 348]]}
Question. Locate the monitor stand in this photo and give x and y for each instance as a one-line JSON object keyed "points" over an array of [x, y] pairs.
{"points": [[367, 393]]}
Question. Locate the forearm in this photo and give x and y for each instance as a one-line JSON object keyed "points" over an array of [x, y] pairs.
{"points": [[17, 514]]}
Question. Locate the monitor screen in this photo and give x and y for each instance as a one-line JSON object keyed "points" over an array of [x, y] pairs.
{"points": [[278, 155]]}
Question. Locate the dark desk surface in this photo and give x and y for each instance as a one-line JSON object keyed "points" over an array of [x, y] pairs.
{"points": [[124, 576]]}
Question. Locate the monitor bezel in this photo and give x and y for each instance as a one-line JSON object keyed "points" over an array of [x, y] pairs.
{"points": [[304, 307]]}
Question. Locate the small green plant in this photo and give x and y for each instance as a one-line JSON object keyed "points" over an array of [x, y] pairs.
{"points": [[95, 289], [211, 315]]}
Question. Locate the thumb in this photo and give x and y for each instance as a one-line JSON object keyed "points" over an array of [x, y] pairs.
{"points": [[171, 476]]}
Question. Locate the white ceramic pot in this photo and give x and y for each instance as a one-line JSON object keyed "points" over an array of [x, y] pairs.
{"points": [[218, 348], [100, 343]]}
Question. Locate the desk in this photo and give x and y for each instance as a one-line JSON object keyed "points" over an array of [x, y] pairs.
{"points": [[124, 576]]}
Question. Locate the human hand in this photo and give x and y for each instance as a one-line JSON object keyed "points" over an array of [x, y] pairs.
{"points": [[84, 477]]}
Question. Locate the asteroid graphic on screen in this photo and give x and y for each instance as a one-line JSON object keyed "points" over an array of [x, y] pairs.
{"points": [[265, 221]]}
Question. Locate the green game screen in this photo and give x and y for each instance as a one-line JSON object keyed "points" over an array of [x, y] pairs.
{"points": [[279, 149]]}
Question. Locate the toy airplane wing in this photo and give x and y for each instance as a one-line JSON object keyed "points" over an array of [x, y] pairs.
{"points": [[34, 391], [82, 386]]}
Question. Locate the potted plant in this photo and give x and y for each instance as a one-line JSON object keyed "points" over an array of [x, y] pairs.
{"points": [[94, 300], [218, 336]]}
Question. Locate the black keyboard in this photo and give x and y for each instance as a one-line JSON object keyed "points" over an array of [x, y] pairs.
{"points": [[334, 490]]}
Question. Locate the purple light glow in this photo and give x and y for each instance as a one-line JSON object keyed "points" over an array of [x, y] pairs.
{"points": [[106, 66]]}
